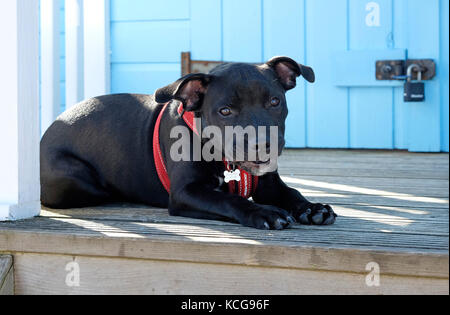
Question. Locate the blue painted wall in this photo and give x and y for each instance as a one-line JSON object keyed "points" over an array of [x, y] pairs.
{"points": [[346, 107]]}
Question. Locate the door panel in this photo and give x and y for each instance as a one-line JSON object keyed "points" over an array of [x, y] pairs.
{"points": [[341, 39]]}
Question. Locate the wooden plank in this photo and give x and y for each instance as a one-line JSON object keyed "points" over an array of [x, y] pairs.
{"points": [[6, 275], [431, 162], [432, 192], [144, 10], [149, 41], [371, 109], [355, 172], [124, 276], [19, 117], [221, 251], [97, 65], [142, 78], [374, 219], [405, 202], [50, 62], [206, 30], [444, 74], [364, 60], [74, 52], [387, 184], [364, 156], [327, 105], [424, 119], [243, 18], [284, 35], [401, 109]]}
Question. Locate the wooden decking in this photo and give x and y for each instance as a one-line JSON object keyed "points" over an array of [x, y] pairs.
{"points": [[393, 211], [6, 275]]}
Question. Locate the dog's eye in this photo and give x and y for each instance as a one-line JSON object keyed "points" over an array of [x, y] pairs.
{"points": [[226, 111], [275, 101]]}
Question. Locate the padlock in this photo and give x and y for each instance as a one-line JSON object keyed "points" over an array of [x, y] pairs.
{"points": [[414, 91]]}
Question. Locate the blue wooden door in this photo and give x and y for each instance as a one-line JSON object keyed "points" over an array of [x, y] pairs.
{"points": [[340, 39]]}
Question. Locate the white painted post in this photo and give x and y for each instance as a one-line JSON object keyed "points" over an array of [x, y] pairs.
{"points": [[50, 70], [96, 48], [19, 110], [74, 52]]}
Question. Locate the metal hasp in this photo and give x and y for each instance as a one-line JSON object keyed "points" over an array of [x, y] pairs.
{"points": [[396, 69]]}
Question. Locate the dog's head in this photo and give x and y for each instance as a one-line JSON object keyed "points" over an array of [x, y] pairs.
{"points": [[246, 96]]}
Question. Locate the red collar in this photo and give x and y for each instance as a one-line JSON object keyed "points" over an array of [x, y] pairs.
{"points": [[245, 188]]}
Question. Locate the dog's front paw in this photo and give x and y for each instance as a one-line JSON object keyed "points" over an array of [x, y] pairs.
{"points": [[315, 214], [268, 218]]}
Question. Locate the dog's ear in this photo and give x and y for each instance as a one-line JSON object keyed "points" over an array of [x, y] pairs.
{"points": [[190, 90], [288, 71]]}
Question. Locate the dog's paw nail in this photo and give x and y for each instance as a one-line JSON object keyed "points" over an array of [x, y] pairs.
{"points": [[280, 224], [330, 220], [266, 226], [318, 219], [291, 220], [304, 219]]}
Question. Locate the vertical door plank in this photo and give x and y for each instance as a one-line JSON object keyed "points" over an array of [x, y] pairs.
{"points": [[284, 35], [327, 105], [242, 30], [444, 75], [206, 30], [401, 109], [423, 42], [371, 111]]}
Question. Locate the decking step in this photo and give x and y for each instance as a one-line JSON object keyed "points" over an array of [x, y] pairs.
{"points": [[396, 219], [6, 275]]}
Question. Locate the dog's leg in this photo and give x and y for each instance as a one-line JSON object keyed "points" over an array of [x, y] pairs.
{"points": [[273, 191], [197, 201], [67, 182]]}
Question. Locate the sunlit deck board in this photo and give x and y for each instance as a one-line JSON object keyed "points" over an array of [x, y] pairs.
{"points": [[396, 215]]}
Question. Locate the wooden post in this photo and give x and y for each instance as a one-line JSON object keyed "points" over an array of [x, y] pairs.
{"points": [[19, 110], [50, 70], [74, 52], [96, 48], [185, 63]]}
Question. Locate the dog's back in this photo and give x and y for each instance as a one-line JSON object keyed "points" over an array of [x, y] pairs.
{"points": [[105, 141]]}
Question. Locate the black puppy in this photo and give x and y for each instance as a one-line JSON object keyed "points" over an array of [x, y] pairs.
{"points": [[104, 149]]}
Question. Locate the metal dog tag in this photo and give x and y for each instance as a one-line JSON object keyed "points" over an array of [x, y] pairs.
{"points": [[232, 176]]}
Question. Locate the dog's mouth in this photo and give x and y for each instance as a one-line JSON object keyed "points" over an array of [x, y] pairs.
{"points": [[259, 163], [257, 168]]}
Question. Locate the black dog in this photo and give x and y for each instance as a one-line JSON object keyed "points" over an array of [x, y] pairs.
{"points": [[103, 150]]}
